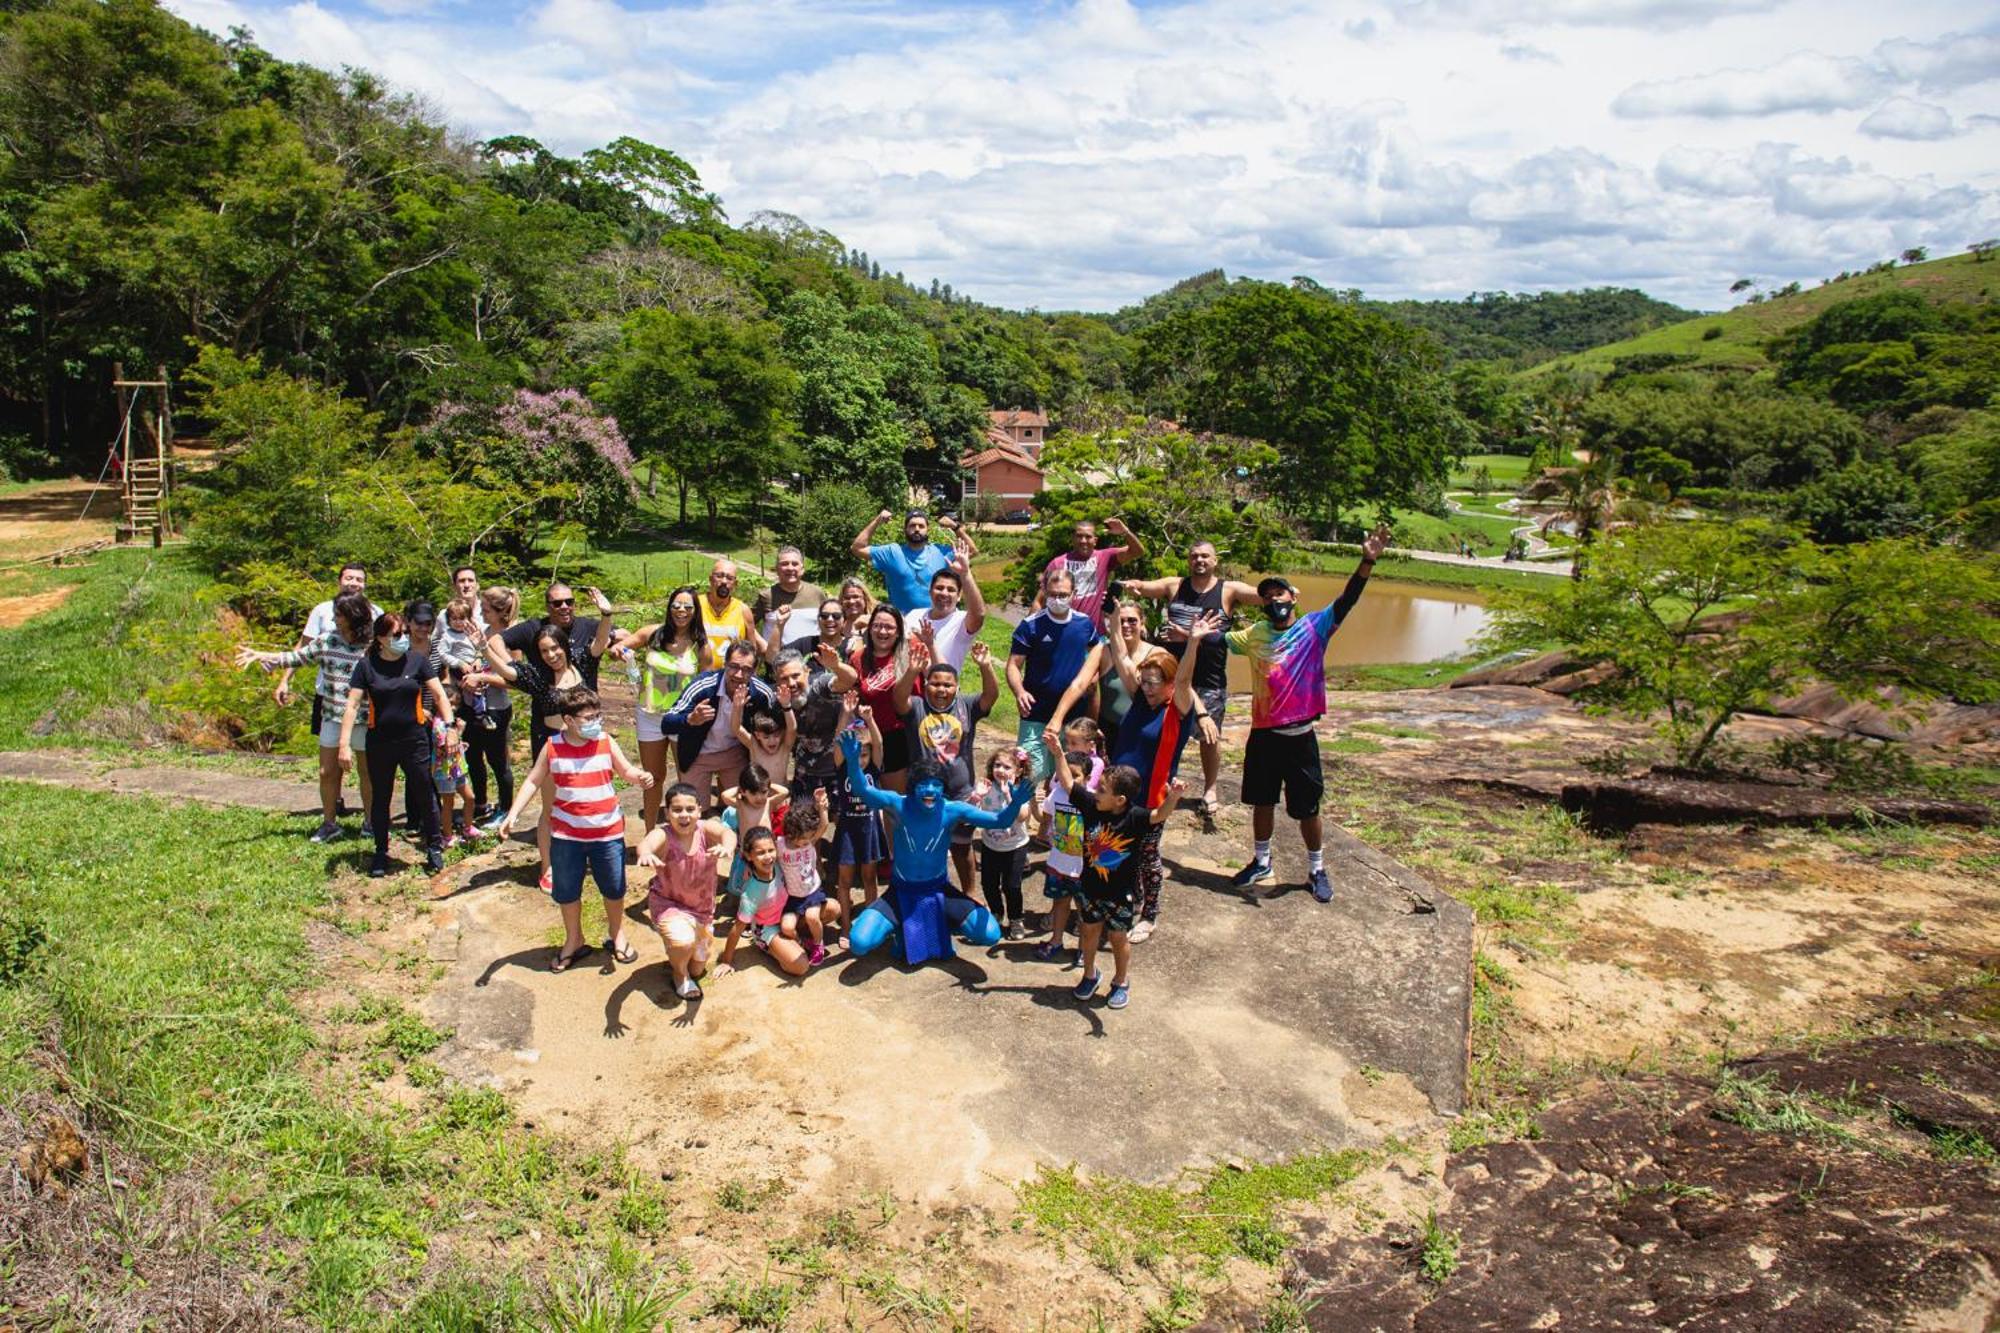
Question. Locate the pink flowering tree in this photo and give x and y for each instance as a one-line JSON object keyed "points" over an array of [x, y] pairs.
{"points": [[568, 462]]}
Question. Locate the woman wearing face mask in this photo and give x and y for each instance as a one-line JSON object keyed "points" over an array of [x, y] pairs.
{"points": [[670, 654], [398, 688], [879, 662]]}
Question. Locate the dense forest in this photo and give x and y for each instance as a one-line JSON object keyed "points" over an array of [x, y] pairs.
{"points": [[334, 279]]}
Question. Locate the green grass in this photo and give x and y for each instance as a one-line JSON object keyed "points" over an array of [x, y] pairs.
{"points": [[1221, 1213], [1745, 329], [1487, 534], [1507, 470], [95, 651], [155, 956], [1336, 559]]}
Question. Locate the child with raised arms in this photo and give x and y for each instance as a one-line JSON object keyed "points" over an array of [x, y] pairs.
{"points": [[858, 842], [806, 902], [1115, 821], [1062, 826]]}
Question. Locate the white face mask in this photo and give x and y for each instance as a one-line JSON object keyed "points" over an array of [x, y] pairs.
{"points": [[1058, 605]]}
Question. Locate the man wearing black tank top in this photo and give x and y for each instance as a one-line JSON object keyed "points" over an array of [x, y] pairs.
{"points": [[1202, 591]]}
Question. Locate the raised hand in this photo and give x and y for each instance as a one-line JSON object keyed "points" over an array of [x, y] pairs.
{"points": [[850, 745], [1175, 791], [1202, 626], [1024, 790], [740, 696], [982, 655], [649, 859], [702, 713], [1375, 543], [602, 602], [828, 655], [1117, 525], [1051, 739], [245, 656], [782, 614]]}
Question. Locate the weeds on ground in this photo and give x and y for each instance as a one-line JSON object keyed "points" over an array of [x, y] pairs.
{"points": [[1437, 1250], [1226, 1214], [755, 1304], [1286, 1313], [1756, 1103]]}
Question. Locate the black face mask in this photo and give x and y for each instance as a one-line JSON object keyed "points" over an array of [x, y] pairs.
{"points": [[1281, 614]]}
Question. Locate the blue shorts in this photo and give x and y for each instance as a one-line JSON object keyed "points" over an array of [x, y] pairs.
{"points": [[858, 840], [568, 858], [1058, 887], [798, 906]]}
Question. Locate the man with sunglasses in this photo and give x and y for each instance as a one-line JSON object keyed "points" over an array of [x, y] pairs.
{"points": [[581, 631]]}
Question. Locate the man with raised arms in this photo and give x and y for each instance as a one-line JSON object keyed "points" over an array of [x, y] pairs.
{"points": [[1287, 696], [1204, 592]]}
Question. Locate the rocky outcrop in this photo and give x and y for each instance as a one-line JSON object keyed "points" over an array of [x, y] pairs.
{"points": [[1617, 804], [1672, 1203]]}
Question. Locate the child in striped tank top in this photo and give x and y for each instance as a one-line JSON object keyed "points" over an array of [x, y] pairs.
{"points": [[586, 826]]}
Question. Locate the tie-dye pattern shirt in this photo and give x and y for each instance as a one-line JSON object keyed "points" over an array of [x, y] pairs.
{"points": [[1288, 668]]}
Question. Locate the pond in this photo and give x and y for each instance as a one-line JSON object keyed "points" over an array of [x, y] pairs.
{"points": [[1393, 622]]}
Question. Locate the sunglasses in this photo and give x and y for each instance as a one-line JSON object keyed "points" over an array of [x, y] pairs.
{"points": [[562, 601], [423, 624]]}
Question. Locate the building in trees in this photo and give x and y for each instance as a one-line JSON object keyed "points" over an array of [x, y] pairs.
{"points": [[1006, 472]]}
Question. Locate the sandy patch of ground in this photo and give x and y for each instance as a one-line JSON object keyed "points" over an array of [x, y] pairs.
{"points": [[49, 516], [20, 610]]}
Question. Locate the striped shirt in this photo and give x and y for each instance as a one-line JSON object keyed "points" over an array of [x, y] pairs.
{"points": [[585, 808], [336, 658]]}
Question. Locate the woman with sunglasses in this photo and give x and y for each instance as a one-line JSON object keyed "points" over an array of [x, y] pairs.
{"points": [[880, 662], [670, 654]]}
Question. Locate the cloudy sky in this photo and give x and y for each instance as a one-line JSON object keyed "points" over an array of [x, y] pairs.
{"points": [[1082, 154]]}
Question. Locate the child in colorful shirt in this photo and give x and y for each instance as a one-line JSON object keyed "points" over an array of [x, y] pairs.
{"points": [[1115, 823], [806, 903], [762, 908], [1063, 826]]}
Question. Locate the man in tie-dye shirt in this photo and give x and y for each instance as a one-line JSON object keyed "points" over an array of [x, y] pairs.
{"points": [[1287, 695]]}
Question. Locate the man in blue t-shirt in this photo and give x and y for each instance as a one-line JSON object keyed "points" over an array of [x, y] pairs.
{"points": [[1049, 650], [906, 567]]}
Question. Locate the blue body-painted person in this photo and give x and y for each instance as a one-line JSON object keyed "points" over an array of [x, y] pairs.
{"points": [[921, 903]]}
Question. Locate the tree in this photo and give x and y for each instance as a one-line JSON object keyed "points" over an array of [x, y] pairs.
{"points": [[1170, 486], [703, 395], [1859, 503], [1741, 285], [1982, 251], [1887, 613], [1916, 254], [1356, 405]]}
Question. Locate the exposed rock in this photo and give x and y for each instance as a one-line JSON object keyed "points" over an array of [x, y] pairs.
{"points": [[1641, 1208], [1621, 803], [1535, 671]]}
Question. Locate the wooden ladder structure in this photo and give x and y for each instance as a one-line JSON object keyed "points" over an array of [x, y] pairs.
{"points": [[146, 450]]}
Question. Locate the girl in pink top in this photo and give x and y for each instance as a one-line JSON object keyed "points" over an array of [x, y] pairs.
{"points": [[686, 854]]}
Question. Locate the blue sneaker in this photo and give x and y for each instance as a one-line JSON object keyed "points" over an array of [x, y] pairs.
{"points": [[1121, 994], [1321, 886], [1251, 874], [1087, 988]]}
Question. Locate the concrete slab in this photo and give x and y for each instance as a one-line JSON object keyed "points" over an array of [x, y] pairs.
{"points": [[1262, 1024]]}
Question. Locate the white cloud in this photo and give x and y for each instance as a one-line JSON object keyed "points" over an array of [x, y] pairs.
{"points": [[1907, 118], [1803, 81], [1956, 60], [1085, 153]]}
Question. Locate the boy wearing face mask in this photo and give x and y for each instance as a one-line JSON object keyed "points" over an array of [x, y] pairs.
{"points": [[586, 825], [1287, 696]]}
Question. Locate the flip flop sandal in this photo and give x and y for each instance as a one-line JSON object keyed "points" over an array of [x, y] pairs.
{"points": [[628, 955], [564, 962]]}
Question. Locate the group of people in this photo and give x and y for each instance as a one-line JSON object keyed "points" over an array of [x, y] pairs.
{"points": [[825, 781]]}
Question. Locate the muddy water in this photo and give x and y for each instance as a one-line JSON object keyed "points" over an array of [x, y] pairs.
{"points": [[1393, 622]]}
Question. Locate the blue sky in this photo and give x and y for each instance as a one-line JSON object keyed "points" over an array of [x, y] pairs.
{"points": [[1082, 155]]}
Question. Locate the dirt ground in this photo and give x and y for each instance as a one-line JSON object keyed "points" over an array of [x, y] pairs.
{"points": [[20, 610], [48, 516], [1622, 973]]}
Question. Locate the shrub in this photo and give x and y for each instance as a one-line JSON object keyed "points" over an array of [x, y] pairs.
{"points": [[825, 526]]}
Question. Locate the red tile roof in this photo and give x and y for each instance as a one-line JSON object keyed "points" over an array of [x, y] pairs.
{"points": [[1001, 452], [1018, 416]]}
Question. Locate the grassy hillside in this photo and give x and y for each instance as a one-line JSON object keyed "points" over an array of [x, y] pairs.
{"points": [[1744, 330]]}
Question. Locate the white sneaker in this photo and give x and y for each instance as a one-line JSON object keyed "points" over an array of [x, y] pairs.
{"points": [[1141, 932]]}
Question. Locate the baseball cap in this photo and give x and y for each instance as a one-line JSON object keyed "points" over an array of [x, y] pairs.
{"points": [[1274, 584]]}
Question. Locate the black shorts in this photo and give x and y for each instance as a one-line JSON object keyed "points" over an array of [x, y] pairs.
{"points": [[317, 702], [1275, 763], [895, 751], [1114, 914], [1215, 703]]}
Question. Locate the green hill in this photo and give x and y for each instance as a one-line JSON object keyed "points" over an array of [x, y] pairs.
{"points": [[1738, 342]]}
